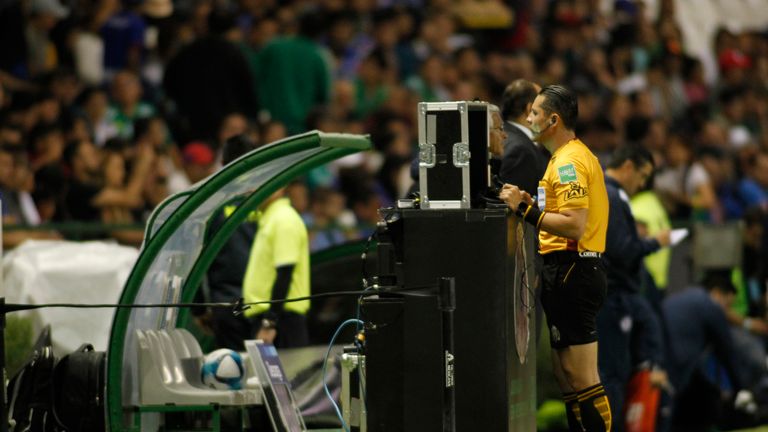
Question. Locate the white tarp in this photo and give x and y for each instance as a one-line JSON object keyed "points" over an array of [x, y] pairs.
{"points": [[44, 271], [699, 21]]}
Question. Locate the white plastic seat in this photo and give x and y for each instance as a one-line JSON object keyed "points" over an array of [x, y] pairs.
{"points": [[162, 376], [184, 337], [190, 355]]}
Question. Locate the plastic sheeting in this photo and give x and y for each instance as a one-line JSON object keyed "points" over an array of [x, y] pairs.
{"points": [[699, 21], [303, 367], [40, 272]]}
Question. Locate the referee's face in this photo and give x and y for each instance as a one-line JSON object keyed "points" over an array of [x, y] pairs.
{"points": [[538, 120]]}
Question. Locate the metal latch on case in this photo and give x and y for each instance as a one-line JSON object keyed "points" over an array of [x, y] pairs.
{"points": [[427, 154], [461, 154]]}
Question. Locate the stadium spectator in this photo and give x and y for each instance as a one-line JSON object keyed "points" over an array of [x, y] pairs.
{"points": [[323, 219], [89, 195], [232, 125], [122, 31], [95, 106], [199, 160], [293, 75], [115, 178], [18, 208], [127, 106], [47, 145], [372, 86], [42, 54], [208, 79]]}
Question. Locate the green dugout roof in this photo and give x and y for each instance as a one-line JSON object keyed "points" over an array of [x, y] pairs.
{"points": [[177, 249]]}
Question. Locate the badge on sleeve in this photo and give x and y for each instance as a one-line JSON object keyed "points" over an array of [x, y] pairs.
{"points": [[567, 173], [541, 197]]}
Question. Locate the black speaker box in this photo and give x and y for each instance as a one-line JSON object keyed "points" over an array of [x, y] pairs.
{"points": [[495, 387]]}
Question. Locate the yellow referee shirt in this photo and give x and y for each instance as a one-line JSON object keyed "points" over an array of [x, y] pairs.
{"points": [[574, 180], [280, 240]]}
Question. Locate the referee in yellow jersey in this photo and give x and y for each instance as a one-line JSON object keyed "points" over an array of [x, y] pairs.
{"points": [[571, 213]]}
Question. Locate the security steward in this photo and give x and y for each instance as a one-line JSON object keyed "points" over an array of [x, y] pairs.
{"points": [[278, 268], [571, 213], [630, 332]]}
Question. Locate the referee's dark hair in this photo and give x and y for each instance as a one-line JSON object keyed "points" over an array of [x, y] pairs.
{"points": [[638, 154], [563, 102], [518, 94]]}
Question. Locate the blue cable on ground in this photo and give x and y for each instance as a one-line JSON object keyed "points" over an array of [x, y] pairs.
{"points": [[325, 367]]}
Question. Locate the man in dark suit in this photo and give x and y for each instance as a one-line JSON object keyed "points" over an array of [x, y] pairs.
{"points": [[523, 162]]}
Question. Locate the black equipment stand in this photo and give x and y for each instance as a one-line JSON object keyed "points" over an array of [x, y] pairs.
{"points": [[447, 304], [447, 358]]}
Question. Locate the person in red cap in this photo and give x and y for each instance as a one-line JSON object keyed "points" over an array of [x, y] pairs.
{"points": [[198, 160], [733, 66]]}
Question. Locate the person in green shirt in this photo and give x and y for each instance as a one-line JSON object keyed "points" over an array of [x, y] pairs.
{"points": [[278, 268], [293, 76], [127, 105], [371, 88]]}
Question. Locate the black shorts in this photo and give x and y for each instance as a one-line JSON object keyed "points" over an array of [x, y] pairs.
{"points": [[573, 290]]}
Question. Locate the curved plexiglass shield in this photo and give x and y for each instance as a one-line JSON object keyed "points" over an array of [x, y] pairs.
{"points": [[177, 239]]}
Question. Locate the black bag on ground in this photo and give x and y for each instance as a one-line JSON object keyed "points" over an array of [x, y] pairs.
{"points": [[29, 392], [79, 386]]}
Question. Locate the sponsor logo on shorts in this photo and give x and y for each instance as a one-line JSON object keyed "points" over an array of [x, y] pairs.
{"points": [[589, 254]]}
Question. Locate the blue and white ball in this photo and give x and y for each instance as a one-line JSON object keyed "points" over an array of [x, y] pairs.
{"points": [[223, 370]]}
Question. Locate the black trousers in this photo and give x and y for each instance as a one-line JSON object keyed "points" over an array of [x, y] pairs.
{"points": [[229, 331]]}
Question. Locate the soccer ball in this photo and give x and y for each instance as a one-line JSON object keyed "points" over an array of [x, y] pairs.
{"points": [[223, 370]]}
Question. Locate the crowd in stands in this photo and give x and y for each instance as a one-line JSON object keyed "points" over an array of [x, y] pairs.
{"points": [[109, 106], [157, 86]]}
